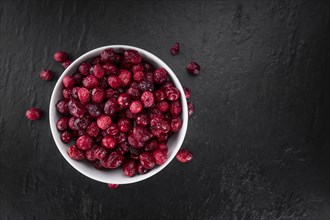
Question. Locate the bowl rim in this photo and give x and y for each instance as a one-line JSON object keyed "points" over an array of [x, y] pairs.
{"points": [[73, 67]]}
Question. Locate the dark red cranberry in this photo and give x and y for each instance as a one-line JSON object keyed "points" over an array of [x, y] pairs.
{"points": [[137, 68], [66, 64], [124, 124], [172, 93], [62, 124], [165, 126], [109, 142], [98, 71], [66, 136], [129, 168], [187, 92], [96, 60], [68, 81], [141, 170], [162, 146], [113, 186], [151, 145], [134, 93], [125, 77], [46, 75], [76, 109], [100, 152], [146, 85], [75, 92], [84, 142], [81, 123], [191, 108], [114, 82], [160, 156], [167, 85], [110, 107], [132, 56], [90, 154], [108, 55], [103, 122], [60, 56], [162, 137], [84, 68], [193, 68], [109, 93], [130, 114], [114, 160], [147, 160], [163, 106], [149, 76], [98, 95], [142, 119], [134, 85], [175, 48], [159, 95], [75, 153], [93, 130], [176, 124], [184, 156], [62, 106], [136, 107], [110, 69], [124, 146], [160, 75], [175, 108], [90, 82], [84, 95], [124, 100], [118, 58], [77, 78], [97, 165], [141, 134], [120, 138], [33, 114], [147, 67], [94, 110], [112, 130], [134, 143], [138, 76], [147, 99], [67, 93], [71, 123]]}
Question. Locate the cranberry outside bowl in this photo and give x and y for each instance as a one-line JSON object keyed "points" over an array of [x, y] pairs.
{"points": [[116, 176]]}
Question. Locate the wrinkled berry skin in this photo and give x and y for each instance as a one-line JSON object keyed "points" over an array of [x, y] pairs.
{"points": [[33, 114], [60, 56], [75, 153], [175, 49], [184, 156], [147, 160], [193, 68], [46, 75]]}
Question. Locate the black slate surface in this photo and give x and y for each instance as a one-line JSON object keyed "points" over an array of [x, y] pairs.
{"points": [[260, 135]]}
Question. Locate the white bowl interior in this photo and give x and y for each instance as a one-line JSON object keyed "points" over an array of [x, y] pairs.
{"points": [[115, 176]]}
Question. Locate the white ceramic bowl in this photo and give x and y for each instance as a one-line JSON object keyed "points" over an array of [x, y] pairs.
{"points": [[115, 176]]}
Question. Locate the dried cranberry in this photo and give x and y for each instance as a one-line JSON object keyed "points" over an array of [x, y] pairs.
{"points": [[90, 154], [147, 99], [175, 108], [46, 75], [100, 152], [172, 93], [193, 68], [112, 130], [113, 186], [147, 67], [98, 71], [75, 153], [137, 68], [134, 93], [84, 95], [146, 85], [84, 142], [67, 93], [184, 156], [90, 82], [149, 76], [147, 160], [93, 130], [120, 138], [142, 119], [132, 56], [60, 56], [160, 156], [160, 75], [162, 146], [33, 114], [151, 145], [125, 77], [96, 60], [62, 124], [134, 143], [77, 78], [138, 76], [129, 168], [94, 110], [191, 108], [110, 107], [98, 95], [68, 81], [110, 69], [124, 124], [75, 92], [124, 100], [124, 147], [163, 106], [114, 160], [141, 169], [103, 122], [141, 134], [176, 124], [159, 95], [76, 108], [66, 64], [114, 82], [98, 165], [109, 142], [175, 48], [62, 107], [84, 68], [108, 55], [187, 92], [136, 107], [66, 136]]}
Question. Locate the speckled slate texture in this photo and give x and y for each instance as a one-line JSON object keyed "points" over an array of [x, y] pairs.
{"points": [[260, 135]]}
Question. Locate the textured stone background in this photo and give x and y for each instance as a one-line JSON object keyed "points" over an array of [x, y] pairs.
{"points": [[260, 135]]}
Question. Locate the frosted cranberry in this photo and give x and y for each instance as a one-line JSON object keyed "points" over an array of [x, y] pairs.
{"points": [[163, 106], [147, 99], [124, 124], [132, 56], [147, 160], [46, 75], [184, 156], [134, 93], [136, 107], [94, 110], [160, 156], [193, 68], [84, 95], [66, 64], [141, 134], [67, 93], [84, 68], [176, 124], [120, 138], [97, 165], [103, 122], [191, 108], [114, 82], [90, 154], [75, 92], [60, 56], [90, 82], [172, 93], [151, 145], [110, 107], [141, 169], [84, 142], [134, 143], [112, 130], [96, 60], [68, 81], [137, 68], [100, 152], [187, 92], [98, 95], [149, 76], [108, 55], [147, 67], [62, 107], [93, 130], [138, 76], [159, 95], [113, 186], [98, 71], [146, 85], [175, 108], [76, 109], [33, 114], [124, 100], [162, 146], [62, 124], [75, 153], [109, 142], [125, 77], [175, 48], [114, 160], [142, 119], [160, 75], [66, 137], [129, 168]]}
